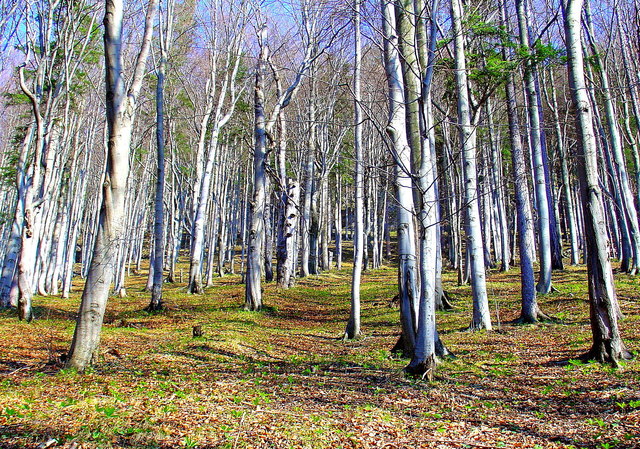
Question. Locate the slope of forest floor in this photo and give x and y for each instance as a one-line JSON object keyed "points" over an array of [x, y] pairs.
{"points": [[283, 378]]}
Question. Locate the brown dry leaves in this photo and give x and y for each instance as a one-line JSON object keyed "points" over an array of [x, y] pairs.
{"points": [[282, 378]]}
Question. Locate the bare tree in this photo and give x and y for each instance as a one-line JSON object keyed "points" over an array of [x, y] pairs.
{"points": [[353, 325], [607, 342], [475, 250], [165, 38], [121, 111]]}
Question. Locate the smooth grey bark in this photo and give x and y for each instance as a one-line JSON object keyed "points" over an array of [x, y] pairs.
{"points": [[628, 212], [253, 291], [607, 342], [481, 318], [165, 38], [424, 358], [121, 109], [530, 312], [540, 179], [353, 325], [396, 129]]}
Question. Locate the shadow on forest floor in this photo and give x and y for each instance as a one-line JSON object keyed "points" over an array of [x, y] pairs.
{"points": [[284, 378]]}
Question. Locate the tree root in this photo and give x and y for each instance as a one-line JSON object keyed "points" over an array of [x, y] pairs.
{"points": [[349, 335], [400, 349], [153, 308], [444, 303], [538, 317], [474, 328], [422, 369], [604, 353]]}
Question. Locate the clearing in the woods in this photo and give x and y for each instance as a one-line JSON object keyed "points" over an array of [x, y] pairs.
{"points": [[283, 377]]}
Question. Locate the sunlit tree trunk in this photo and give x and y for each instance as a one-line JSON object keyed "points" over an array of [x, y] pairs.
{"points": [[253, 291], [396, 129], [424, 357], [481, 318], [540, 180], [121, 108], [165, 38], [607, 342], [353, 325]]}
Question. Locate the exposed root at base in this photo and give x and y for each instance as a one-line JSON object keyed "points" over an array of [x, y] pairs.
{"points": [[422, 369], [603, 353]]}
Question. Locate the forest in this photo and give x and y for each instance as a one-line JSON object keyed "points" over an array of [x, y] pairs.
{"points": [[319, 223]]}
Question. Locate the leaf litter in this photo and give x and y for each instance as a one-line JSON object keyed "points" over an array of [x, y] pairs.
{"points": [[283, 378]]}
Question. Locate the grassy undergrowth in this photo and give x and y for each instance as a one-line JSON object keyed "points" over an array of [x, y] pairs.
{"points": [[283, 378]]}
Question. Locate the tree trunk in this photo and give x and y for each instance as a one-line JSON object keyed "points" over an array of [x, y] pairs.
{"points": [[607, 343], [166, 37], [253, 290], [353, 325], [540, 180], [424, 357], [481, 318], [396, 129], [530, 313], [121, 107]]}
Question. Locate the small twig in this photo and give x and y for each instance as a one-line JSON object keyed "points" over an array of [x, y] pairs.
{"points": [[235, 442], [468, 443], [17, 370], [50, 442]]}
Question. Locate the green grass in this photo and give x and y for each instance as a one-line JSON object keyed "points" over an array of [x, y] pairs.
{"points": [[283, 377]]}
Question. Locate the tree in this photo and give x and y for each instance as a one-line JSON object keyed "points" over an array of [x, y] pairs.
{"points": [[622, 188], [222, 98], [530, 312], [424, 357], [312, 33], [537, 149], [55, 43], [121, 112], [253, 292], [353, 325], [399, 144], [475, 250], [607, 342], [165, 38]]}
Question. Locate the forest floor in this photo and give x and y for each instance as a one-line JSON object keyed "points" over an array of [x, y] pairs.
{"points": [[284, 378]]}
